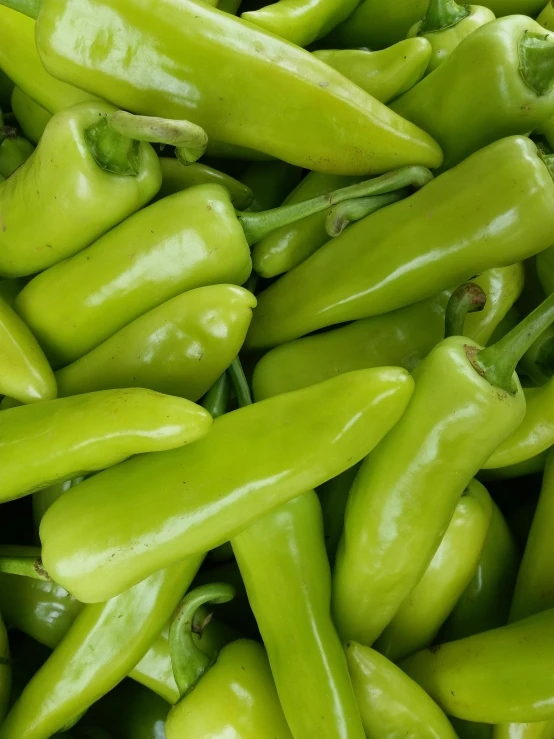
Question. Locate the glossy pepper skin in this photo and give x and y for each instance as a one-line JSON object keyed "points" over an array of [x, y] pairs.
{"points": [[72, 198], [24, 370], [479, 678], [400, 338], [284, 566], [338, 422], [184, 241], [31, 116], [383, 74], [177, 177], [485, 602], [445, 40], [325, 123], [454, 420], [179, 348], [104, 643], [419, 618], [512, 98], [237, 696], [428, 242], [391, 704], [56, 440]]}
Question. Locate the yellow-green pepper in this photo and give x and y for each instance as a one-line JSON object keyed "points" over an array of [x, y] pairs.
{"points": [[31, 116], [546, 16], [177, 176]]}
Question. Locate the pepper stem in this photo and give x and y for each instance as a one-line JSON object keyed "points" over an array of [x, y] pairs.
{"points": [[112, 151], [24, 566], [257, 225], [536, 62], [498, 362], [188, 661], [442, 14], [27, 7], [468, 298], [216, 399], [349, 211], [189, 139], [240, 383]]}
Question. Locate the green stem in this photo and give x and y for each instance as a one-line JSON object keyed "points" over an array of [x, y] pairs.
{"points": [[536, 62], [188, 661], [442, 14], [189, 139], [498, 362], [27, 7], [112, 151], [468, 298], [216, 399], [240, 383], [24, 566], [343, 214], [257, 225]]}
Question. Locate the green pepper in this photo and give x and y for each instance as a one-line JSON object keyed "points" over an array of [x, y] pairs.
{"points": [[400, 338], [284, 566], [492, 210], [325, 121], [515, 95], [104, 643], [59, 439], [546, 16], [187, 240], [418, 620], [179, 348], [204, 505], [177, 176], [485, 602], [446, 24], [391, 704], [234, 696], [535, 730], [6, 87], [333, 496], [14, 152], [496, 676], [538, 361], [24, 371], [31, 116], [467, 400], [383, 74], [9, 289], [270, 182]]}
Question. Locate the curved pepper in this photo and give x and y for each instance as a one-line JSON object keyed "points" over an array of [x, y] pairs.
{"points": [[497, 676], [467, 400], [179, 348], [428, 242], [383, 74], [74, 198], [24, 370], [204, 504], [546, 16], [418, 620], [400, 338], [104, 643], [485, 602], [59, 439], [446, 24], [391, 704], [325, 122], [177, 176], [190, 239], [514, 97], [31, 116], [14, 152], [284, 566]]}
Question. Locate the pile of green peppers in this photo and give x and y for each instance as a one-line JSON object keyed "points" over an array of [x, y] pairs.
{"points": [[276, 369]]}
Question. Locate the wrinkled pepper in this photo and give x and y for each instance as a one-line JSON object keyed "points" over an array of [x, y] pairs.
{"points": [[400, 338], [284, 566], [446, 24], [467, 400], [419, 618], [325, 121], [177, 176], [391, 704], [513, 97], [383, 74], [338, 421], [492, 210], [187, 240], [31, 116], [179, 348], [234, 696], [56, 440]]}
